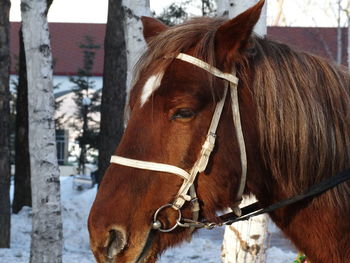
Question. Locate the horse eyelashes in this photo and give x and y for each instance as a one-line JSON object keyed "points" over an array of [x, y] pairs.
{"points": [[185, 113]]}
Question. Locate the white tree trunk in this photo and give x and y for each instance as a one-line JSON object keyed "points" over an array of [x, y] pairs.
{"points": [[244, 242], [339, 34], [46, 243], [135, 44], [232, 8], [280, 16], [348, 48]]}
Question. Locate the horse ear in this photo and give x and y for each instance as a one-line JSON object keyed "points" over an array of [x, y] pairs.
{"points": [[151, 27], [233, 35]]}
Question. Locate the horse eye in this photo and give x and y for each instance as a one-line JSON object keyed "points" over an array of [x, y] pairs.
{"points": [[183, 114]]}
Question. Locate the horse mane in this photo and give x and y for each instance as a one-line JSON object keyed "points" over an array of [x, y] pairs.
{"points": [[303, 114], [302, 102]]}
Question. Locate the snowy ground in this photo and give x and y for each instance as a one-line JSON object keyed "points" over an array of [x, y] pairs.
{"points": [[204, 247]]}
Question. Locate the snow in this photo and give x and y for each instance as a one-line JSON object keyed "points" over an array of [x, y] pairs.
{"points": [[204, 247], [75, 210]]}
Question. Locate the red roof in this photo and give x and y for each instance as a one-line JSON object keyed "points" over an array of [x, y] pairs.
{"points": [[66, 38], [321, 41], [65, 41]]}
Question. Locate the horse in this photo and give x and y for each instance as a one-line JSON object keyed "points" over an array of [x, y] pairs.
{"points": [[292, 131]]}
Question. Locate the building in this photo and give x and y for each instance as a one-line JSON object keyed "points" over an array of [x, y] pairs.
{"points": [[67, 37]]}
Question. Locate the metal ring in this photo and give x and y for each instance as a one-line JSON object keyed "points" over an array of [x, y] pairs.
{"points": [[156, 215]]}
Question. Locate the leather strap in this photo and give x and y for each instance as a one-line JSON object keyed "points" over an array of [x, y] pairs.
{"points": [[199, 166], [158, 167], [211, 69], [240, 140]]}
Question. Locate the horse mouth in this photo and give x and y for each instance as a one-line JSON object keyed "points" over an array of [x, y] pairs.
{"points": [[127, 255], [146, 253]]}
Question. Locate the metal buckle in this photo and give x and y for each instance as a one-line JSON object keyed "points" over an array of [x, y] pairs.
{"points": [[157, 225]]}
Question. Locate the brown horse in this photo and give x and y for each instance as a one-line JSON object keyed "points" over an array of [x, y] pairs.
{"points": [[295, 114]]}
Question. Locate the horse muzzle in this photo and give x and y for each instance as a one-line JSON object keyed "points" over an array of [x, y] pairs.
{"points": [[106, 247]]}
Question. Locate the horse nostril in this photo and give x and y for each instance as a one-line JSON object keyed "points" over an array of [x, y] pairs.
{"points": [[116, 243]]}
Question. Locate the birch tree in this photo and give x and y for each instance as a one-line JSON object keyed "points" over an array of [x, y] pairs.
{"points": [[339, 33], [135, 44], [232, 8], [124, 44], [114, 86], [279, 15], [348, 18], [346, 10], [244, 242], [5, 206], [46, 243]]}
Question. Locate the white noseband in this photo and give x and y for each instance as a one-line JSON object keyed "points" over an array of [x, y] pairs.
{"points": [[187, 190]]}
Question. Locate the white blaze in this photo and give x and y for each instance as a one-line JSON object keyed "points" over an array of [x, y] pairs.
{"points": [[150, 86]]}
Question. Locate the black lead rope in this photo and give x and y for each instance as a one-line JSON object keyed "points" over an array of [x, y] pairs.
{"points": [[256, 209]]}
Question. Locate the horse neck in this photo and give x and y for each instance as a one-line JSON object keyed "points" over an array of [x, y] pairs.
{"points": [[311, 218]]}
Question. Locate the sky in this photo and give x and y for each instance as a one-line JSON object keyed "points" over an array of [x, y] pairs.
{"points": [[296, 12]]}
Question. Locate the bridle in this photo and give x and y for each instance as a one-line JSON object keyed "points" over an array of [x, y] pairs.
{"points": [[187, 191]]}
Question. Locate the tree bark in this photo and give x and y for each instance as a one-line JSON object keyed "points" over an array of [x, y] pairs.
{"points": [[244, 242], [347, 12], [279, 16], [348, 47], [5, 170], [114, 86], [46, 243], [22, 190], [232, 8], [135, 44], [123, 46], [339, 35]]}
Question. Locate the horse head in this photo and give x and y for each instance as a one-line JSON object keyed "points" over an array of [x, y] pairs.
{"points": [[194, 130], [172, 104]]}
